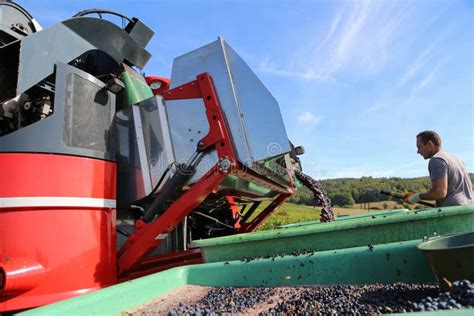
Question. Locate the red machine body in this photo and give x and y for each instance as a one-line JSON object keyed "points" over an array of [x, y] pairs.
{"points": [[57, 228]]}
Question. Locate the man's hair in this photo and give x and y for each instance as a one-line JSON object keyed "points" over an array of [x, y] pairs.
{"points": [[426, 136]]}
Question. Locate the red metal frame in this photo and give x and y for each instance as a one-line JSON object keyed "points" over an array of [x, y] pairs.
{"points": [[257, 221], [218, 135], [133, 258], [162, 262], [148, 236]]}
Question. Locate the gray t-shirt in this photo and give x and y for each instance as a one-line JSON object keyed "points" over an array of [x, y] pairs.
{"points": [[444, 165]]}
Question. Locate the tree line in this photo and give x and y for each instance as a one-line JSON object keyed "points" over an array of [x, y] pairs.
{"points": [[349, 191]]}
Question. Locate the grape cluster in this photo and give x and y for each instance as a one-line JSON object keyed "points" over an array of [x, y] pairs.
{"points": [[461, 295], [320, 196]]}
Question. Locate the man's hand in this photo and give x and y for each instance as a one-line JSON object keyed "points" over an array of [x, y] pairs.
{"points": [[412, 198]]}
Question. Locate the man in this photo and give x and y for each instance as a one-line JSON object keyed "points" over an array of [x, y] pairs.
{"points": [[450, 182]]}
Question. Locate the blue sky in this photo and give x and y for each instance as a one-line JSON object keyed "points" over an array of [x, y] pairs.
{"points": [[356, 80]]}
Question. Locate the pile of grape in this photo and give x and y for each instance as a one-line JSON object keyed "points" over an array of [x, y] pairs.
{"points": [[331, 300]]}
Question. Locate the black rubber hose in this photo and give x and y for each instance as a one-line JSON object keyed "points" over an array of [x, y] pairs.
{"points": [[159, 205], [100, 11]]}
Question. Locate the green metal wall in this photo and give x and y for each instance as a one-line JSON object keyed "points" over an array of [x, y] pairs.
{"points": [[340, 234]]}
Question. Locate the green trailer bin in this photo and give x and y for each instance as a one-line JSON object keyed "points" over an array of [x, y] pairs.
{"points": [[351, 232]]}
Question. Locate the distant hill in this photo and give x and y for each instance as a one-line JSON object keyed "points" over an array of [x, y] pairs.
{"points": [[348, 191]]}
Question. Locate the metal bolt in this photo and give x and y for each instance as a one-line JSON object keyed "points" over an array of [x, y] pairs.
{"points": [[224, 165]]}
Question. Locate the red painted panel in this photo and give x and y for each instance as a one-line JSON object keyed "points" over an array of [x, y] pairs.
{"points": [[56, 175], [51, 253]]}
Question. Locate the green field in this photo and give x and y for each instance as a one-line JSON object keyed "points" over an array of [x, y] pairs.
{"points": [[290, 213]]}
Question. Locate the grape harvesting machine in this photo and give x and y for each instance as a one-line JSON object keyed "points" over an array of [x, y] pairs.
{"points": [[107, 174], [110, 176]]}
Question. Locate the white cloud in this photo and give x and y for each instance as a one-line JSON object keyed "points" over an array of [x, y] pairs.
{"points": [[417, 64], [365, 40], [423, 59], [308, 118], [270, 67], [426, 80], [348, 36], [334, 25], [377, 107], [360, 36]]}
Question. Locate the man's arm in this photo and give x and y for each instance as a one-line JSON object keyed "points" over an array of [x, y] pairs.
{"points": [[438, 191], [439, 184]]}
